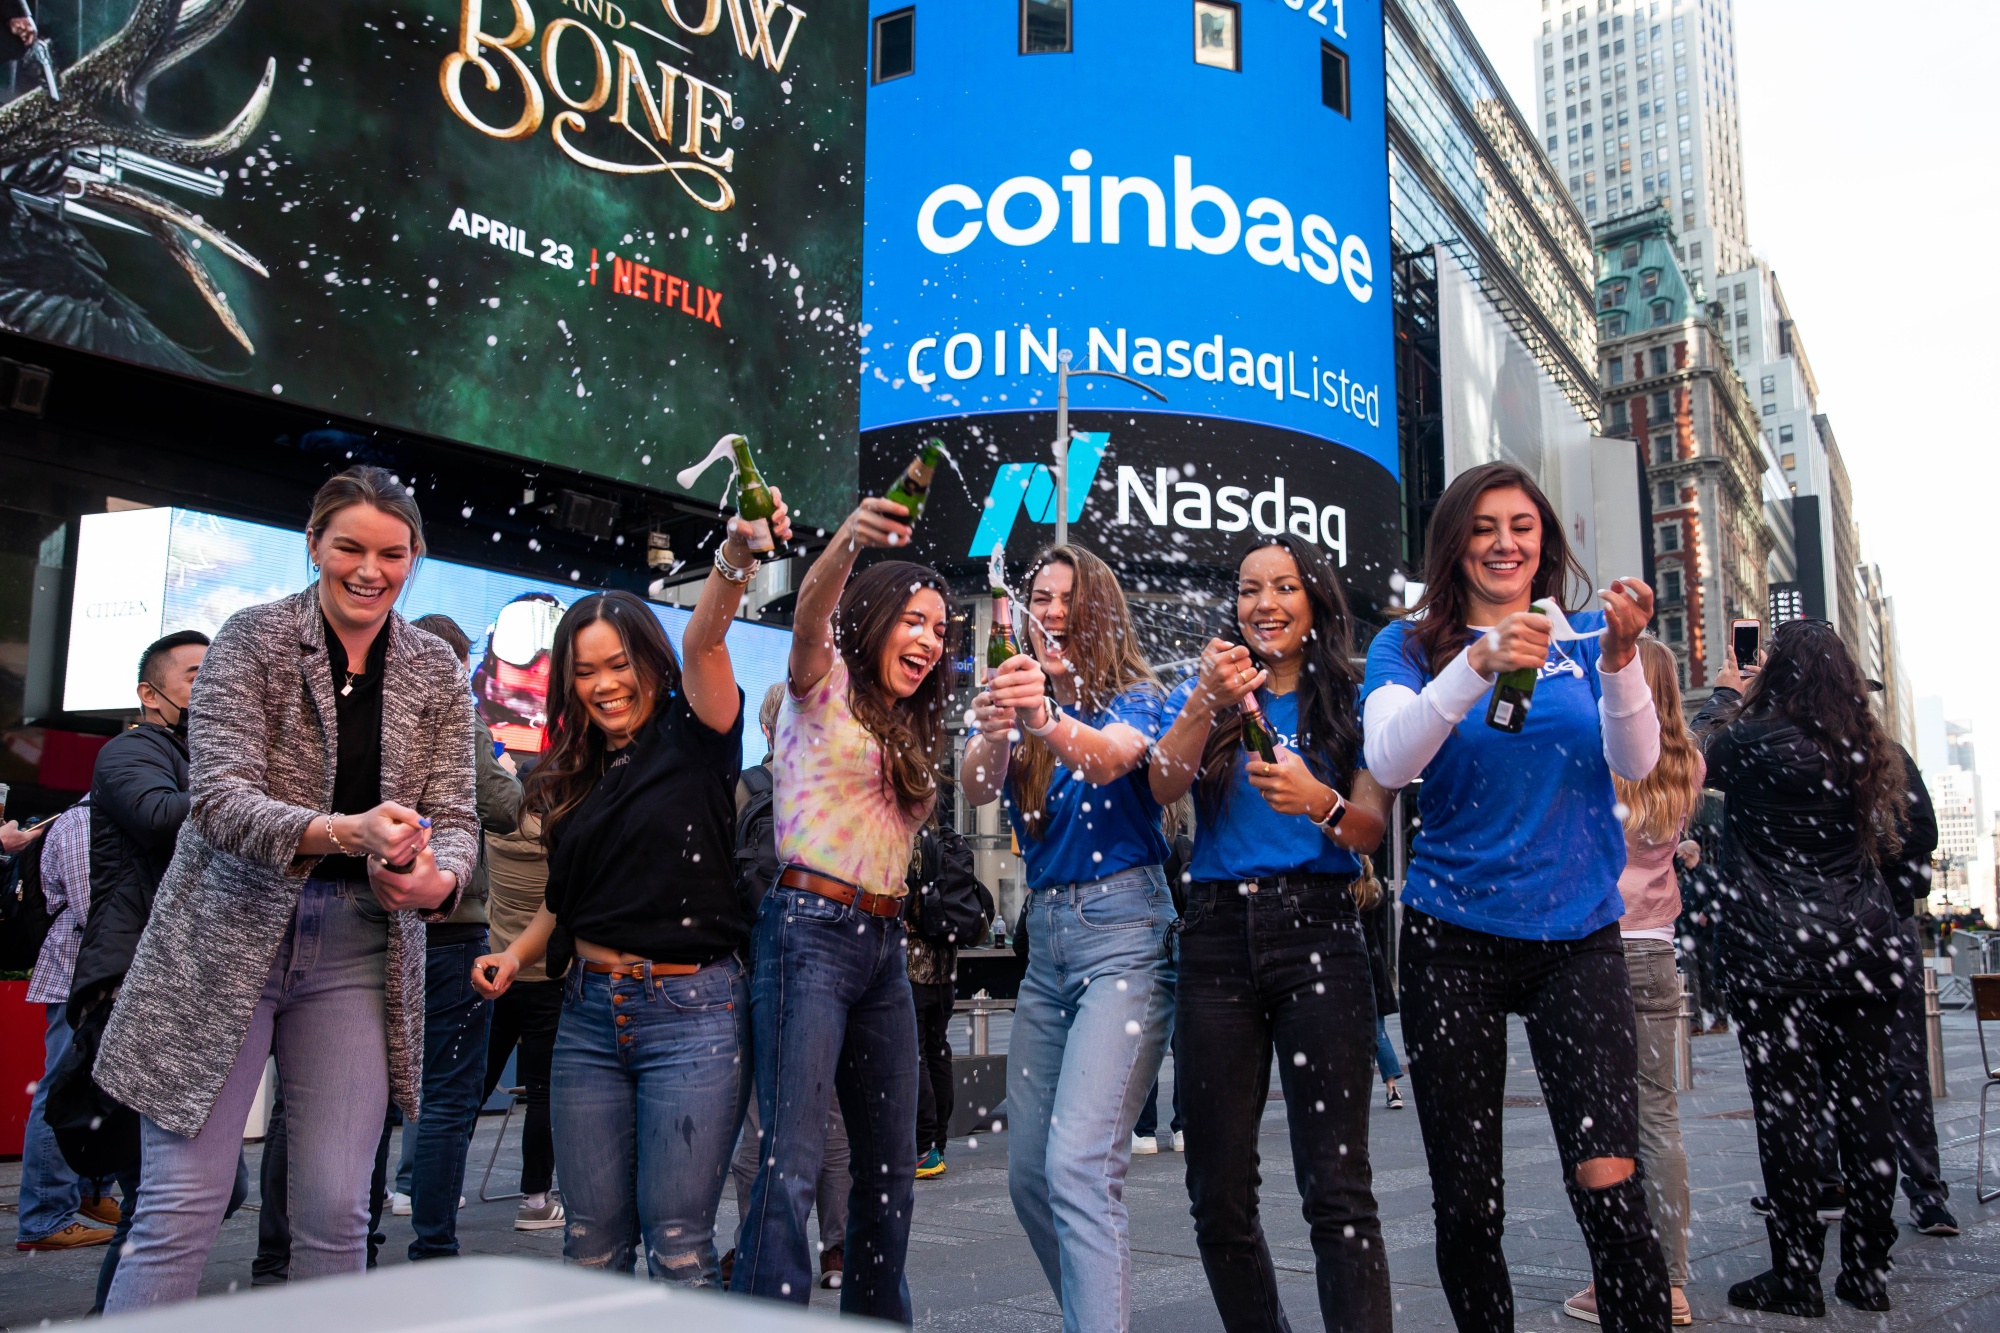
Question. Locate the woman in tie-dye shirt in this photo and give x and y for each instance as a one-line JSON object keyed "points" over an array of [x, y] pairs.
{"points": [[855, 769]]}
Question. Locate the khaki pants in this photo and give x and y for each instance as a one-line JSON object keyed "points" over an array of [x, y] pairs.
{"points": [[1656, 993]]}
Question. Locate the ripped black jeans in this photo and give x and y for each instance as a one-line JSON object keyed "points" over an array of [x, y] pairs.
{"points": [[1458, 987]]}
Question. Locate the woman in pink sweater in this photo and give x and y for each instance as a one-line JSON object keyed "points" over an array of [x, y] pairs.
{"points": [[1655, 812]]}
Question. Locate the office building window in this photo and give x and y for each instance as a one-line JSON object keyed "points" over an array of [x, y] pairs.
{"points": [[1614, 370], [1739, 291], [1045, 27], [1649, 283], [1661, 409], [1333, 80], [1785, 437], [1664, 497], [895, 45], [1217, 43], [1663, 447], [1674, 629], [1629, 257], [1742, 321], [1668, 537], [1619, 422], [1659, 360], [1788, 461], [1770, 409], [1670, 585], [1662, 312], [1743, 347], [1694, 249], [1614, 324]]}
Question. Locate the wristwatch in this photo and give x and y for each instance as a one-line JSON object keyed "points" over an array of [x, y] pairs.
{"points": [[1054, 719], [1333, 816]]}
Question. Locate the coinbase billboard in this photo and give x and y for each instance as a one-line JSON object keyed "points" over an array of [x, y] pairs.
{"points": [[1194, 194]]}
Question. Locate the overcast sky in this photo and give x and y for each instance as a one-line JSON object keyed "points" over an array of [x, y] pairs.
{"points": [[1869, 165]]}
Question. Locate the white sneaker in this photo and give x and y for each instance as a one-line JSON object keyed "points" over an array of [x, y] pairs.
{"points": [[1180, 1141], [1144, 1143], [399, 1205]]}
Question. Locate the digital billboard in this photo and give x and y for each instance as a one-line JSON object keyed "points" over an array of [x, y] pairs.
{"points": [[593, 232], [1195, 195], [147, 572]]}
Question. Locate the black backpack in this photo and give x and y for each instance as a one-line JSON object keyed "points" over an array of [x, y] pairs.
{"points": [[756, 841], [24, 912], [947, 905]]}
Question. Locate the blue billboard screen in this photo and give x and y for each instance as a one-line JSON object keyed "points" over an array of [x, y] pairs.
{"points": [[1221, 233]]}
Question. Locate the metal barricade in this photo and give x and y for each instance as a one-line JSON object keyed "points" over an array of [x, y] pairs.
{"points": [[1683, 1043]]}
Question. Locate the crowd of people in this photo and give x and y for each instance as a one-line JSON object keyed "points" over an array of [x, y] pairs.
{"points": [[309, 849]]}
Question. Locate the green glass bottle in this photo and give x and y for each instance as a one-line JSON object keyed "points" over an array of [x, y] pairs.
{"points": [[914, 486], [1257, 735], [1000, 641], [1513, 692], [754, 504]]}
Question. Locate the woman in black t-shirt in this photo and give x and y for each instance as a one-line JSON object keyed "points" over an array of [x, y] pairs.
{"points": [[637, 799]]}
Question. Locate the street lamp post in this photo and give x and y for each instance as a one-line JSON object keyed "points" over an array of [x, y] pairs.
{"points": [[1063, 376]]}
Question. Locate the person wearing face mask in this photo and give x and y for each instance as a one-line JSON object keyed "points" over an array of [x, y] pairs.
{"points": [[856, 775], [1272, 954], [1511, 901], [636, 796], [331, 812], [1090, 1026]]}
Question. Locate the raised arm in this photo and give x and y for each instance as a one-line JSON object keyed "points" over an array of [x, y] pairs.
{"points": [[876, 522], [706, 671], [1227, 675]]}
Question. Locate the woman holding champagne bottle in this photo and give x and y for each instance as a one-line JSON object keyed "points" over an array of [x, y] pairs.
{"points": [[1064, 734], [1271, 950], [1511, 901]]}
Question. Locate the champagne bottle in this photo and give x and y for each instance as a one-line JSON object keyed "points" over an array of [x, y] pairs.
{"points": [[914, 486], [1257, 735], [754, 504], [1512, 693], [1000, 642]]}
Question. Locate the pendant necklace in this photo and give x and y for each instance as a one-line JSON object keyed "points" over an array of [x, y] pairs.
{"points": [[352, 676]]}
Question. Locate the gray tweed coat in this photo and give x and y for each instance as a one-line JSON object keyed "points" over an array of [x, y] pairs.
{"points": [[262, 754]]}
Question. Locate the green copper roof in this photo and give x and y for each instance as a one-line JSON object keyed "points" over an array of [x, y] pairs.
{"points": [[1639, 282]]}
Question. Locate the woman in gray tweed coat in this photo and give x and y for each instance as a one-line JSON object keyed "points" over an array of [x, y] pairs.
{"points": [[330, 741]]}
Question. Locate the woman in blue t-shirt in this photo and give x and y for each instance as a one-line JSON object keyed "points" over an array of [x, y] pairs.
{"points": [[1271, 949], [1090, 1026], [1510, 903]]}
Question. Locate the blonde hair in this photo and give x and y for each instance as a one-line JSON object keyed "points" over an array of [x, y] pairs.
{"points": [[1658, 805]]}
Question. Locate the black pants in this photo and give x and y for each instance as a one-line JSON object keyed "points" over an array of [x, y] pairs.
{"points": [[526, 1016], [1911, 1118], [1284, 971], [935, 1094], [1575, 998], [1802, 1054]]}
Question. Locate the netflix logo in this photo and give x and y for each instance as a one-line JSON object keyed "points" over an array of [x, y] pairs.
{"points": [[631, 278]]}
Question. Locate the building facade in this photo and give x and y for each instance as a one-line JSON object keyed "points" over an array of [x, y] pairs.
{"points": [[1639, 106], [1671, 387]]}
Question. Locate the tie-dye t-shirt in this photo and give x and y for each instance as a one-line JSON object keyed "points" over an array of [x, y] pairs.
{"points": [[834, 807]]}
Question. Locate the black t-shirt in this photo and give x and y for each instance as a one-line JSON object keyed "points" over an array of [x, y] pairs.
{"points": [[646, 864], [357, 711]]}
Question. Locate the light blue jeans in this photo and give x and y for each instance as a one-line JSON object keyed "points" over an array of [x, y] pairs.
{"points": [[322, 1015], [1090, 1030], [50, 1191], [645, 1093]]}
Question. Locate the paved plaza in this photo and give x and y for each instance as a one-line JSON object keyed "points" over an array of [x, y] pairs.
{"points": [[970, 1266]]}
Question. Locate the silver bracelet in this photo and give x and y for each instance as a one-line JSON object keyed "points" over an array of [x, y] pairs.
{"points": [[735, 574]]}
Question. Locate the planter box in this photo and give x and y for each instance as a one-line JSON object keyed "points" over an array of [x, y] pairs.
{"points": [[22, 1027]]}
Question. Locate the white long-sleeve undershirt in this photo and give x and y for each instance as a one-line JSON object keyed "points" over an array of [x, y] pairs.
{"points": [[1403, 730]]}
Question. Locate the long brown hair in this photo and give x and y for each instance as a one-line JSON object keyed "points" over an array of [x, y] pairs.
{"points": [[1438, 631], [1657, 806], [911, 730], [1102, 650], [1329, 738], [1809, 679], [574, 758]]}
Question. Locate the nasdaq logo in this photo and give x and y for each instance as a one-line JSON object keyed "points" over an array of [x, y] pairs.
{"points": [[1030, 486]]}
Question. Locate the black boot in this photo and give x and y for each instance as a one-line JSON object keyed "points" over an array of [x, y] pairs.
{"points": [[1777, 1293], [1862, 1289], [1628, 1265]]}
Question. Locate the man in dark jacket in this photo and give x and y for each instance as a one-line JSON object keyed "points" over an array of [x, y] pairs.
{"points": [[1909, 880], [138, 801]]}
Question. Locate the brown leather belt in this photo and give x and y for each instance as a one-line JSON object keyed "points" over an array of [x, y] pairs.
{"points": [[875, 904], [637, 971]]}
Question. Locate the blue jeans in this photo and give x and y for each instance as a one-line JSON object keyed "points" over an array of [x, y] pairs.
{"points": [[646, 1090], [455, 1026], [833, 1013], [50, 1191], [322, 1014], [1090, 1029], [1386, 1063]]}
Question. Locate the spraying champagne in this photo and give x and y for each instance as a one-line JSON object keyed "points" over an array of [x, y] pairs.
{"points": [[914, 486]]}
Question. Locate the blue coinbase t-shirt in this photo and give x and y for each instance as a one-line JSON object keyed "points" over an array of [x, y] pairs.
{"points": [[1089, 832], [1246, 838], [1519, 837]]}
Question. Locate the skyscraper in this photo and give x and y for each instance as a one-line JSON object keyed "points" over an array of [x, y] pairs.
{"points": [[1638, 104]]}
